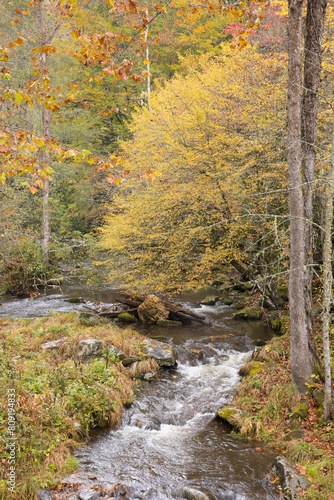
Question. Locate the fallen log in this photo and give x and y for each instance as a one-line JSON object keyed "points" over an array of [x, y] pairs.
{"points": [[176, 312]]}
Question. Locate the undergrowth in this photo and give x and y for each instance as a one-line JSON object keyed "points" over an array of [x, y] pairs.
{"points": [[58, 398], [266, 399]]}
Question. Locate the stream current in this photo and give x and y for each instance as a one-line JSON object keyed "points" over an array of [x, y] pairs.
{"points": [[169, 438]]}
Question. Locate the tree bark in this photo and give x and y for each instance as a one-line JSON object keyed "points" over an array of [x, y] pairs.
{"points": [[315, 19], [46, 120], [301, 361], [328, 283]]}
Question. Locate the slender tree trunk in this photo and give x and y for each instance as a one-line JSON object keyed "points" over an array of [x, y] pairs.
{"points": [[46, 120], [301, 364], [328, 283], [148, 68], [46, 227], [315, 19]]}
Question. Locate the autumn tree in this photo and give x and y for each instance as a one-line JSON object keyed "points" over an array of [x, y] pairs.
{"points": [[208, 133]]}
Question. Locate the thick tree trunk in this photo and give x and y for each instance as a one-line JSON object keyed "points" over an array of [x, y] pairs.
{"points": [[301, 360], [328, 283], [315, 19]]}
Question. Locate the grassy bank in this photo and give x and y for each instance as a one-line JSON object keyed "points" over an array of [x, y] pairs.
{"points": [[272, 413], [56, 398]]}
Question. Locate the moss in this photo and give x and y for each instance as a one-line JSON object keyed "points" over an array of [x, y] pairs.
{"points": [[127, 317], [210, 300], [250, 313], [256, 367], [226, 413], [227, 302], [300, 410]]}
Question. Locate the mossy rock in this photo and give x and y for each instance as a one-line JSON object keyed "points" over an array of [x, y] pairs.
{"points": [[250, 314], [167, 323], [219, 280], [226, 413], [300, 410], [283, 293], [319, 396], [89, 320], [240, 304], [126, 317], [227, 302], [243, 287], [276, 325], [256, 367], [75, 300], [210, 300], [295, 434]]}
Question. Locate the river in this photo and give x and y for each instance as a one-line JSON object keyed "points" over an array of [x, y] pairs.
{"points": [[169, 438]]}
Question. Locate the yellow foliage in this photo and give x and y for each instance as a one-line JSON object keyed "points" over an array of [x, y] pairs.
{"points": [[213, 144]]}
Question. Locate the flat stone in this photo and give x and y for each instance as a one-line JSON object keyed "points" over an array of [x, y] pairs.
{"points": [[296, 434], [164, 354], [129, 361], [54, 344], [113, 349], [149, 376], [45, 495], [90, 348], [290, 479]]}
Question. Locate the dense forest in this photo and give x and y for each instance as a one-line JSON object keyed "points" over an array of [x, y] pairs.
{"points": [[174, 145]]}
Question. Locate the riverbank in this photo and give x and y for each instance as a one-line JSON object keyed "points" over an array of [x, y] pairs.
{"points": [[51, 398], [267, 409]]}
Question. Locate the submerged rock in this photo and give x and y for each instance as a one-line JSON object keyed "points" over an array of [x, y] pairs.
{"points": [[90, 495], [167, 323], [118, 491], [152, 310], [90, 348], [164, 354], [291, 481], [192, 494]]}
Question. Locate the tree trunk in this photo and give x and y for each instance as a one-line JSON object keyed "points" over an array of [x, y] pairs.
{"points": [[46, 120], [328, 282], [301, 361], [315, 19]]}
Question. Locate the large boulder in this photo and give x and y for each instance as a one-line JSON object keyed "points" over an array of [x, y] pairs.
{"points": [[90, 348], [163, 353], [291, 481], [152, 310]]}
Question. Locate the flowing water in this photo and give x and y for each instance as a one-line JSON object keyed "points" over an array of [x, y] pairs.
{"points": [[170, 439]]}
